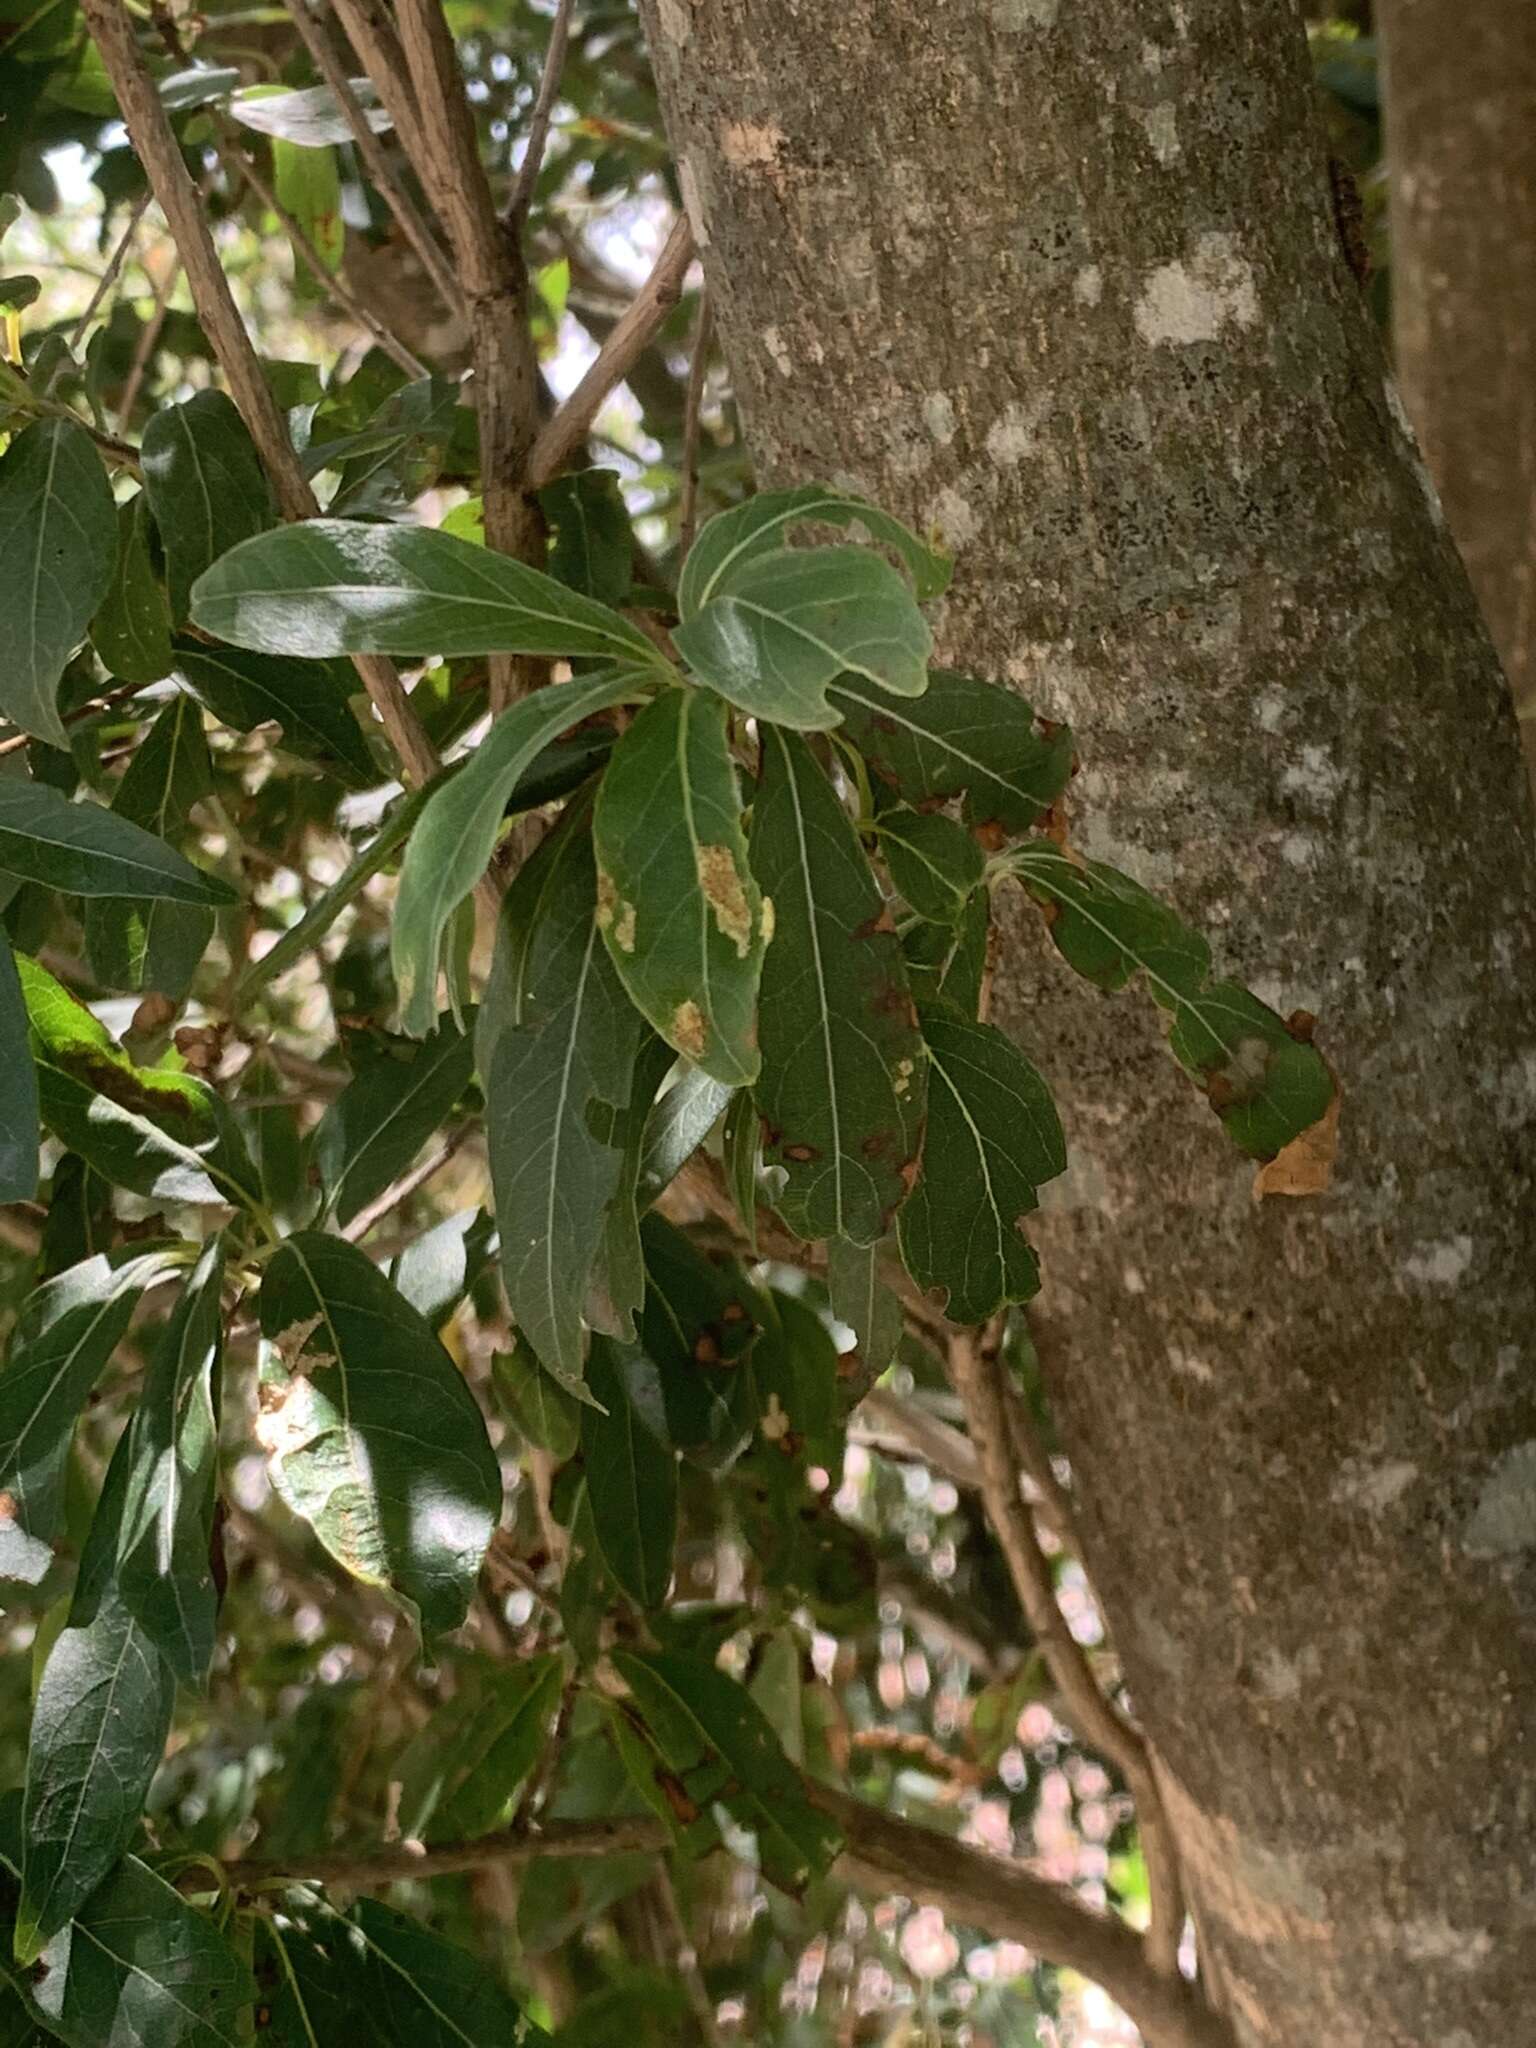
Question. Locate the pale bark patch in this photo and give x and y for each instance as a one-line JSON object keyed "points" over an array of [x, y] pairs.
{"points": [[1185, 302]]}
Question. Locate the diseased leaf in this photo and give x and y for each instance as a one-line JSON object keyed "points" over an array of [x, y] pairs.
{"points": [[457, 830], [792, 622], [132, 627], [326, 586], [164, 1575], [19, 1127], [696, 1327], [760, 524], [308, 699], [993, 1139], [138, 1967], [372, 1436], [591, 547], [864, 1300], [842, 1082], [631, 1470], [717, 1740], [460, 1776], [205, 485], [64, 1335], [146, 1128], [561, 1042], [89, 851], [677, 902], [794, 1369], [307, 182], [935, 864], [1266, 1084], [58, 545], [964, 737], [372, 1131]]}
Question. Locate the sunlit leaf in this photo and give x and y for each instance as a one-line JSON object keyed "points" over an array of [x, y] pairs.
{"points": [[732, 540]]}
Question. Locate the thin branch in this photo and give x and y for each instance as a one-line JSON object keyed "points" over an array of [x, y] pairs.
{"points": [[375, 157], [115, 263], [150, 132], [684, 1957], [144, 347], [105, 702], [408, 1184], [698, 371], [632, 335], [885, 1421], [372, 34], [538, 121], [976, 1376]]}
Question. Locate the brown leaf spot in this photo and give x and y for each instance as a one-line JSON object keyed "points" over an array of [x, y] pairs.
{"points": [[875, 1144], [882, 921], [706, 1349], [1302, 1026], [689, 1032], [800, 1153], [685, 1810], [726, 895], [1305, 1166], [151, 1017], [989, 835], [614, 917], [7, 1507]]}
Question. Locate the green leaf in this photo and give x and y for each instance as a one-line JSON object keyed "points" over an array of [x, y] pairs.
{"points": [[935, 864], [424, 1993], [741, 1152], [64, 1335], [132, 627], [205, 486], [949, 964], [591, 547], [164, 1575], [683, 1116], [561, 1045], [19, 1131], [841, 1088], [718, 1741], [760, 525], [156, 945], [617, 1286], [398, 454], [309, 117], [137, 1967], [308, 699], [677, 903], [631, 1471], [99, 1724], [461, 1774], [145, 1128], [372, 1131], [372, 1436], [327, 586], [58, 544], [793, 622], [696, 1327], [436, 1270], [540, 1409], [964, 738], [861, 1298], [307, 182], [457, 830], [794, 1367], [1265, 1085], [993, 1139], [87, 851]]}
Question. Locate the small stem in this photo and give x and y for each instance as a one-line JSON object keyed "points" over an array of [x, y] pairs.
{"points": [[114, 265], [538, 121]]}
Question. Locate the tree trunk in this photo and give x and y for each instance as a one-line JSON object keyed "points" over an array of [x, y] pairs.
{"points": [[1059, 279], [1461, 137]]}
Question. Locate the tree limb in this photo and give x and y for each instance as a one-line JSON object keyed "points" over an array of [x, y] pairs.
{"points": [[538, 120]]}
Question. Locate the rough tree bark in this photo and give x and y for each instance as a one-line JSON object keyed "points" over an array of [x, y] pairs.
{"points": [[1460, 98], [1062, 281]]}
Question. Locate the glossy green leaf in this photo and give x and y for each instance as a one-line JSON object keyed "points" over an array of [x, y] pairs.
{"points": [[677, 903], [841, 1088], [145, 1128], [307, 182], [136, 945], [793, 622], [993, 1139], [205, 486], [327, 586], [935, 864], [58, 545], [65, 1333], [965, 737], [372, 1436], [631, 1470], [863, 1299], [372, 1131], [761, 524], [591, 546], [132, 627], [538, 1407], [717, 1740], [99, 1724], [561, 1048], [164, 1575], [457, 830], [138, 1967], [307, 699], [1265, 1085], [19, 1126], [461, 1775], [89, 851]]}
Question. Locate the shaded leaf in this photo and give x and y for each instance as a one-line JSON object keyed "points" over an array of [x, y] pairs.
{"points": [[58, 545], [993, 1139], [461, 1774], [677, 902], [132, 627], [842, 1082], [543, 1413], [399, 453], [89, 851], [372, 1131], [734, 539], [424, 1993], [308, 699], [631, 1471], [372, 1436], [19, 1127], [935, 864], [591, 546], [205, 486], [617, 1285], [696, 1327], [947, 963], [865, 1301], [794, 621], [741, 1153]]}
